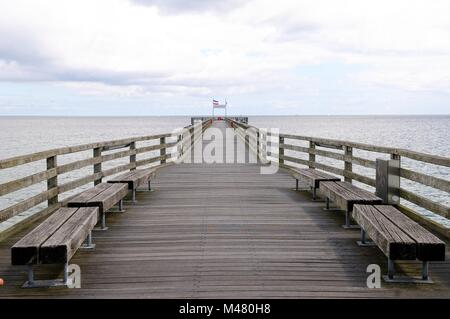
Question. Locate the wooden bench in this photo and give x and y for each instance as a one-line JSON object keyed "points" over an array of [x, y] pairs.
{"points": [[135, 179], [55, 241], [398, 237], [312, 178], [345, 195], [104, 196]]}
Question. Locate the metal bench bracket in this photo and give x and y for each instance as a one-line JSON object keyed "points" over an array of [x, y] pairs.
{"points": [[119, 208], [347, 224], [363, 242], [391, 278], [88, 244], [103, 223], [327, 207], [32, 283]]}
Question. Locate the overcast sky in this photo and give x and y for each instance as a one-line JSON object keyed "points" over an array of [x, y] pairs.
{"points": [[158, 57]]}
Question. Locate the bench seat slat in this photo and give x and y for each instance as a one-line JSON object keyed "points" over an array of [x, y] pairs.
{"points": [[120, 177], [392, 241], [105, 197], [110, 196], [345, 192], [313, 176], [430, 247], [88, 194], [63, 244], [135, 178], [132, 175], [26, 250], [361, 193], [345, 195]]}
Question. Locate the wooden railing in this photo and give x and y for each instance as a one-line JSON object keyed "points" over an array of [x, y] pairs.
{"points": [[101, 153], [289, 155], [344, 152]]}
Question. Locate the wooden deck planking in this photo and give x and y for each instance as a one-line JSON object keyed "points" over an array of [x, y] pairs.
{"points": [[224, 230]]}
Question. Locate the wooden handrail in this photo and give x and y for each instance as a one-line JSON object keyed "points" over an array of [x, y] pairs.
{"points": [[317, 147], [28, 158], [54, 170], [418, 156]]}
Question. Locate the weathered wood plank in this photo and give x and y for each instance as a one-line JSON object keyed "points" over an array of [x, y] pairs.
{"points": [[361, 193], [150, 148], [135, 178], [340, 196], [84, 197], [21, 183], [312, 176], [27, 204], [109, 197], [392, 241], [78, 182], [28, 158], [118, 169], [63, 244], [435, 182], [26, 250], [152, 160], [425, 203], [345, 195], [429, 247]]}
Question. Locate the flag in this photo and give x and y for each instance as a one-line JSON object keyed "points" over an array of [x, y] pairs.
{"points": [[215, 103]]}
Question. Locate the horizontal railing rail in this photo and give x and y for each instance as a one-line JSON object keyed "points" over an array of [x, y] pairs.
{"points": [[329, 149], [120, 149]]}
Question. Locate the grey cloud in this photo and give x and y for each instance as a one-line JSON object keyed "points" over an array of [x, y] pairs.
{"points": [[20, 47]]}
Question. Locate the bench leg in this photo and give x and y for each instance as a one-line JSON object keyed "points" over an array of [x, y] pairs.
{"points": [[88, 242], [119, 208], [425, 267], [103, 223], [32, 283], [348, 224], [327, 204], [149, 186], [30, 274], [296, 184], [391, 269], [133, 199], [314, 193], [362, 242], [121, 205], [424, 279]]}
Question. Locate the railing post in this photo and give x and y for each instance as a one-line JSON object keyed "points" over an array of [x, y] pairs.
{"points": [[179, 145], [97, 166], [162, 141], [387, 183], [280, 150], [133, 156], [257, 142], [348, 167], [312, 157], [265, 149], [53, 181]]}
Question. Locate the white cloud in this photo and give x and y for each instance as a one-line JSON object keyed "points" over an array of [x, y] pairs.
{"points": [[197, 48]]}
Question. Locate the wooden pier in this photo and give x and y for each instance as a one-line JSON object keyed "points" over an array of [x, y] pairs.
{"points": [[210, 231]]}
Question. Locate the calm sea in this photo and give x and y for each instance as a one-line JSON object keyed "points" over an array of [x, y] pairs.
{"points": [[429, 134]]}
